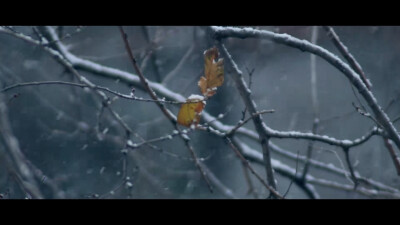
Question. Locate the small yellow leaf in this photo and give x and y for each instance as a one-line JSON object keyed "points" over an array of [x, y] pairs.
{"points": [[214, 72], [191, 110]]}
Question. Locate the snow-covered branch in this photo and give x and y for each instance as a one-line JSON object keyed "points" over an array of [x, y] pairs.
{"points": [[379, 191], [357, 67], [133, 79], [304, 45]]}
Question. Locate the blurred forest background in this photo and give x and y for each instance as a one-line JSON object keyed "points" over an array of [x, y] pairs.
{"points": [[76, 152]]}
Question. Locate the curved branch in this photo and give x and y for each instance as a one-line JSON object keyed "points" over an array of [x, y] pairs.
{"points": [[304, 45], [356, 67], [324, 138]]}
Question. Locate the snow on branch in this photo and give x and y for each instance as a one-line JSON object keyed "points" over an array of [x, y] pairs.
{"points": [[379, 190], [304, 45], [133, 79]]}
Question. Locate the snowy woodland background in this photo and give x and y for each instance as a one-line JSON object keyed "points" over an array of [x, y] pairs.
{"points": [[63, 141]]}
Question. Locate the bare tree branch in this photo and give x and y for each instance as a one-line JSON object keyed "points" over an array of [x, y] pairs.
{"points": [[129, 97], [280, 168], [352, 173], [356, 67], [241, 123], [165, 111], [303, 45], [349, 57], [381, 191], [245, 93], [153, 56], [237, 152]]}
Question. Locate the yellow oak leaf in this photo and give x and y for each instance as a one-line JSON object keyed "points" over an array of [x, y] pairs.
{"points": [[190, 111], [213, 71]]}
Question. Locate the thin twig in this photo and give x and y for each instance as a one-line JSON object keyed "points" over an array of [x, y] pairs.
{"points": [[366, 114], [377, 191], [153, 56], [251, 189], [396, 119], [391, 102], [123, 96], [284, 170], [165, 111], [350, 166], [314, 99], [249, 84], [241, 123], [395, 158], [245, 93], [349, 57], [310, 147], [291, 182], [245, 162], [356, 67]]}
